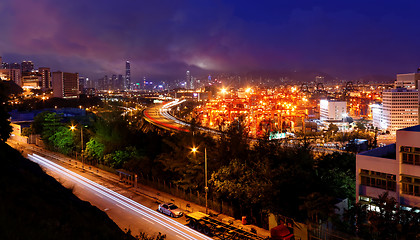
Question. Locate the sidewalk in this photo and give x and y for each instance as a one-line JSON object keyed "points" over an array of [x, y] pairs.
{"points": [[156, 195], [181, 203]]}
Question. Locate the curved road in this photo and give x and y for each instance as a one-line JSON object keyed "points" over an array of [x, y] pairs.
{"points": [[118, 206], [158, 115]]}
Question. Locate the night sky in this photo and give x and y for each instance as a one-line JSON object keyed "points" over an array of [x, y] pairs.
{"points": [[163, 39]]}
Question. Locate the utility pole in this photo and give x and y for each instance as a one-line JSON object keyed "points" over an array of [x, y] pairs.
{"points": [[81, 137], [205, 175]]}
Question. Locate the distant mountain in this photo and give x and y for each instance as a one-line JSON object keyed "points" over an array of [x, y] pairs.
{"points": [[377, 79], [296, 76]]}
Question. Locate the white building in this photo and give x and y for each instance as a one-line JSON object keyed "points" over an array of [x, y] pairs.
{"points": [[332, 110], [400, 108], [377, 116], [394, 168]]}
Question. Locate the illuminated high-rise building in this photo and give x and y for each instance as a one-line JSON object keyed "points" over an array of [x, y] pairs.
{"points": [[188, 81], [113, 82], [11, 75], [27, 66], [127, 83], [65, 85], [400, 108], [45, 73], [407, 80], [120, 82]]}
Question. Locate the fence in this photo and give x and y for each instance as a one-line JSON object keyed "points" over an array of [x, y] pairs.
{"points": [[195, 197], [320, 232]]}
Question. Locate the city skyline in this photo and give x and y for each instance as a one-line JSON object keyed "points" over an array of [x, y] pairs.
{"points": [[167, 39]]}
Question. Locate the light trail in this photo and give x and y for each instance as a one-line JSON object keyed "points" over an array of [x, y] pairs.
{"points": [[124, 201]]}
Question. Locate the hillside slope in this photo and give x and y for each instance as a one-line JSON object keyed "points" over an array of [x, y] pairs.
{"points": [[33, 205]]}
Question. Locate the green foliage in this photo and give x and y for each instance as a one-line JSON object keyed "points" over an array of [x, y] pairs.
{"points": [[389, 221], [94, 150], [233, 143], [332, 128], [63, 140], [186, 168], [243, 182], [47, 124], [119, 157], [5, 128], [27, 131], [144, 236], [318, 206], [336, 172], [112, 131]]}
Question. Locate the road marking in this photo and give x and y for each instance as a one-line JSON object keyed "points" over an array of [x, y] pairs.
{"points": [[148, 221], [120, 206], [180, 237], [98, 195]]}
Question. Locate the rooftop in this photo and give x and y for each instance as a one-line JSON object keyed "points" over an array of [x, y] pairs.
{"points": [[411, 129], [401, 90], [388, 151]]}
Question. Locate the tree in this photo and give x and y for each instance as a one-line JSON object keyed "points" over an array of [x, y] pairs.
{"points": [[63, 140], [244, 183], [336, 174], [5, 127], [233, 143], [332, 128], [47, 124], [94, 150], [318, 206]]}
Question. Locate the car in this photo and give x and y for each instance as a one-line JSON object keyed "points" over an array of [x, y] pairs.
{"points": [[170, 209]]}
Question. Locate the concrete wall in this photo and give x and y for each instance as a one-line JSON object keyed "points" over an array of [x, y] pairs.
{"points": [[411, 139], [378, 164]]}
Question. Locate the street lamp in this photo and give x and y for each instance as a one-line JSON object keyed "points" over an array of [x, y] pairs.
{"points": [[72, 128], [206, 188]]}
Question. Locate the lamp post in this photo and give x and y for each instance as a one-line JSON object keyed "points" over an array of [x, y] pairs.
{"points": [[72, 127], [206, 188]]}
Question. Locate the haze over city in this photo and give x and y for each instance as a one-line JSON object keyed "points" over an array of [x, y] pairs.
{"points": [[347, 40]]}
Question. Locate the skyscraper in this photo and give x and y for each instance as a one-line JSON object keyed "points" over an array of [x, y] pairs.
{"points": [[27, 66], [45, 77], [127, 83], [400, 108], [120, 82], [188, 81], [113, 83]]}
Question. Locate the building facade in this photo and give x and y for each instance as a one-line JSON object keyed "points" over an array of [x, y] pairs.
{"points": [[394, 169], [65, 85], [127, 82], [27, 66], [399, 108], [45, 73], [332, 110], [11, 75], [408, 80]]}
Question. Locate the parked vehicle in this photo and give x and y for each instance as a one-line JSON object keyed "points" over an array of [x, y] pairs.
{"points": [[170, 209]]}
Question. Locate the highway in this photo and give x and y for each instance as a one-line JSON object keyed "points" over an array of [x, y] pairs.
{"points": [[159, 116], [123, 210]]}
